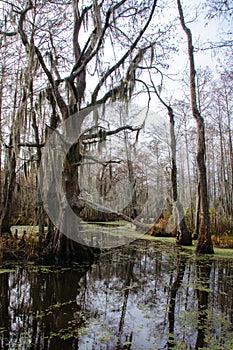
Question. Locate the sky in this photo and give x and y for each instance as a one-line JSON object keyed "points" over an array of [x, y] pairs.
{"points": [[204, 31]]}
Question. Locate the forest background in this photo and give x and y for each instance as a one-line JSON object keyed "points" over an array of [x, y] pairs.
{"points": [[150, 83]]}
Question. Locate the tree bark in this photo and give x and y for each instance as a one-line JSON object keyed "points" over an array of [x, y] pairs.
{"points": [[10, 168], [9, 186], [133, 205], [197, 213], [230, 155], [183, 236], [204, 244], [1, 100], [61, 247]]}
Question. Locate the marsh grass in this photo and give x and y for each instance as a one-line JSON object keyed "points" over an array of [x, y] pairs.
{"points": [[17, 248], [24, 244], [223, 241]]}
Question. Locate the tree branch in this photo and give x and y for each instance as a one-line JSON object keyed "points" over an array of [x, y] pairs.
{"points": [[27, 144], [124, 57], [109, 133], [102, 208], [8, 33], [79, 66], [61, 103], [191, 61]]}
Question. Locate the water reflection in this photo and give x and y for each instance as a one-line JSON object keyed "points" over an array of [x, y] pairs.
{"points": [[148, 295], [181, 264], [203, 276], [4, 313]]}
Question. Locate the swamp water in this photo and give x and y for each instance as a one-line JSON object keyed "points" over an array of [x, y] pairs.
{"points": [[147, 295]]}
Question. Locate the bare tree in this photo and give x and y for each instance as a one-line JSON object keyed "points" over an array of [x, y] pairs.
{"points": [[1, 98], [183, 236], [204, 245], [11, 157]]}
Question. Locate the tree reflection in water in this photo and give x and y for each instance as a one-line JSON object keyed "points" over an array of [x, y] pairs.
{"points": [[181, 264], [44, 307], [4, 313], [148, 295], [203, 276]]}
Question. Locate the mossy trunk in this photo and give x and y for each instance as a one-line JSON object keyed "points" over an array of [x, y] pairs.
{"points": [[65, 244], [8, 190]]}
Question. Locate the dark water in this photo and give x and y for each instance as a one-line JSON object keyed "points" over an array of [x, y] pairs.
{"points": [[148, 295]]}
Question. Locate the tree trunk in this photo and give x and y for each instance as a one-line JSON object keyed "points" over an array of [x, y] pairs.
{"points": [[1, 100], [188, 168], [40, 213], [8, 190], [183, 236], [133, 213], [61, 247], [230, 155], [204, 244], [197, 213], [11, 157]]}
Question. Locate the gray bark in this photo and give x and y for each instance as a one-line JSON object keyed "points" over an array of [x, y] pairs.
{"points": [[204, 244]]}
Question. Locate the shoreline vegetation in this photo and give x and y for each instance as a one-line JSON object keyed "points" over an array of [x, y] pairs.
{"points": [[24, 242]]}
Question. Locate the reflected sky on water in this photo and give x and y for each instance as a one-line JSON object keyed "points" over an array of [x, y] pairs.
{"points": [[147, 295]]}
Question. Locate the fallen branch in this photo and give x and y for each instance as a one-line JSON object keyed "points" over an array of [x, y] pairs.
{"points": [[122, 216]]}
